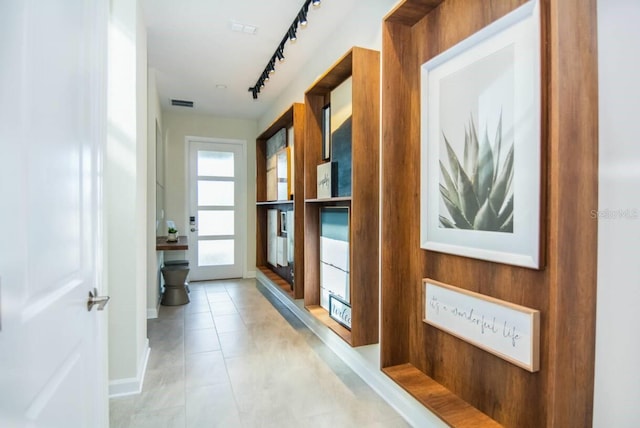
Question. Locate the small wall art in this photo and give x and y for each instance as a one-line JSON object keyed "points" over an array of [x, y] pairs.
{"points": [[511, 332]]}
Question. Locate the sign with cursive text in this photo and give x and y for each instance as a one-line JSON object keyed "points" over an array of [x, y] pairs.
{"points": [[340, 311], [509, 331]]}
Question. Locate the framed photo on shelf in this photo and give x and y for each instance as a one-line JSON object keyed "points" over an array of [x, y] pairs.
{"points": [[326, 132], [481, 144], [325, 186]]}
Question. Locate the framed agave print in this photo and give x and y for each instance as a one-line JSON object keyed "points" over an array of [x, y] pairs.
{"points": [[481, 144]]}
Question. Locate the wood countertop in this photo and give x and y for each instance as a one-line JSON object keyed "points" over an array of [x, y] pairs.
{"points": [[163, 245]]}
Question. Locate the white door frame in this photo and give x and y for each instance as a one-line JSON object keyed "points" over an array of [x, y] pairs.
{"points": [[242, 203]]}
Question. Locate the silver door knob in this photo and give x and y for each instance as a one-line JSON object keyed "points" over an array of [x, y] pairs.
{"points": [[94, 299], [194, 229]]}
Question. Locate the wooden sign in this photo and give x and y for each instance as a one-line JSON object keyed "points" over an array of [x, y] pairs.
{"points": [[509, 331], [340, 311]]}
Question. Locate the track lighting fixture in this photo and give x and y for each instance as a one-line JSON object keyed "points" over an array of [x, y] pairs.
{"points": [[291, 36], [302, 17]]}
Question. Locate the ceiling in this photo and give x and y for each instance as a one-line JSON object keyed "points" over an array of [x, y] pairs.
{"points": [[198, 57]]}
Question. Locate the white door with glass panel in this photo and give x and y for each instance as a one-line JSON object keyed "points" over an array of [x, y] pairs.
{"points": [[216, 213]]}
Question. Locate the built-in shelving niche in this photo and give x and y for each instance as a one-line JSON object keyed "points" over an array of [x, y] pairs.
{"points": [[462, 384], [362, 66], [289, 278]]}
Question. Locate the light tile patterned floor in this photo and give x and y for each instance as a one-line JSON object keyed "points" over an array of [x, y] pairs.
{"points": [[236, 357]]}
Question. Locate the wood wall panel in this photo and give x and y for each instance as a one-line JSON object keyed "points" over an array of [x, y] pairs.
{"points": [[298, 199], [560, 394], [574, 182], [399, 191]]}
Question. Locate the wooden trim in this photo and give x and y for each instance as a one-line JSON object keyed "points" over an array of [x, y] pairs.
{"points": [[409, 12], [573, 168]]}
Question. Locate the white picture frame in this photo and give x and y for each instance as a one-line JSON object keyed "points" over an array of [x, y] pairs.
{"points": [[486, 88]]}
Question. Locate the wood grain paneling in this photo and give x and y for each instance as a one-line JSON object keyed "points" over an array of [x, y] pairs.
{"points": [[294, 117], [560, 394], [573, 172], [363, 66]]}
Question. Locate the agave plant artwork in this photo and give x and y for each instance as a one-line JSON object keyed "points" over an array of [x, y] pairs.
{"points": [[479, 194]]}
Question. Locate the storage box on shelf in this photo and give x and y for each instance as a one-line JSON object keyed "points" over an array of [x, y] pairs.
{"points": [[357, 77], [280, 210]]}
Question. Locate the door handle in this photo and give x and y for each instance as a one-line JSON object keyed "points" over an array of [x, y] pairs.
{"points": [[194, 229], [94, 299]]}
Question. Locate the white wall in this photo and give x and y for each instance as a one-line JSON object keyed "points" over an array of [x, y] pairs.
{"points": [[154, 258], [126, 197], [617, 377], [177, 126]]}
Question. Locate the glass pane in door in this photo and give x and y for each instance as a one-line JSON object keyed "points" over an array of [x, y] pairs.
{"points": [[215, 193], [215, 253], [215, 223], [215, 164]]}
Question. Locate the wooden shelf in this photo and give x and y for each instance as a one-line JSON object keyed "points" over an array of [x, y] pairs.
{"points": [[446, 405], [329, 200], [322, 315], [293, 275], [163, 245], [284, 286], [363, 66], [267, 203], [448, 375]]}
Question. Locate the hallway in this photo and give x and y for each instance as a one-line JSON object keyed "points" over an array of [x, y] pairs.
{"points": [[236, 357]]}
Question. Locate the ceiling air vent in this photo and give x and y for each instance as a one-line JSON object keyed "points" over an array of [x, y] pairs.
{"points": [[182, 103]]}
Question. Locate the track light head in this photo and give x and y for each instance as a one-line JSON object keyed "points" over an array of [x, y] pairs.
{"points": [[302, 18], [315, 3], [280, 54], [292, 34]]}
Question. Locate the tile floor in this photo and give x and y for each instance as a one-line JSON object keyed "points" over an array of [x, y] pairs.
{"points": [[236, 357]]}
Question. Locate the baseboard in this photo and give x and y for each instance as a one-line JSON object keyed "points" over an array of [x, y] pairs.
{"points": [[152, 313], [131, 386], [364, 361], [250, 274]]}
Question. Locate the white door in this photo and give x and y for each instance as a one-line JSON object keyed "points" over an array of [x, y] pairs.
{"points": [[217, 213], [52, 130]]}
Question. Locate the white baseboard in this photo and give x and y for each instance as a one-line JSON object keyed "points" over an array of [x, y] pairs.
{"points": [[131, 386], [364, 361], [250, 274], [152, 313]]}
